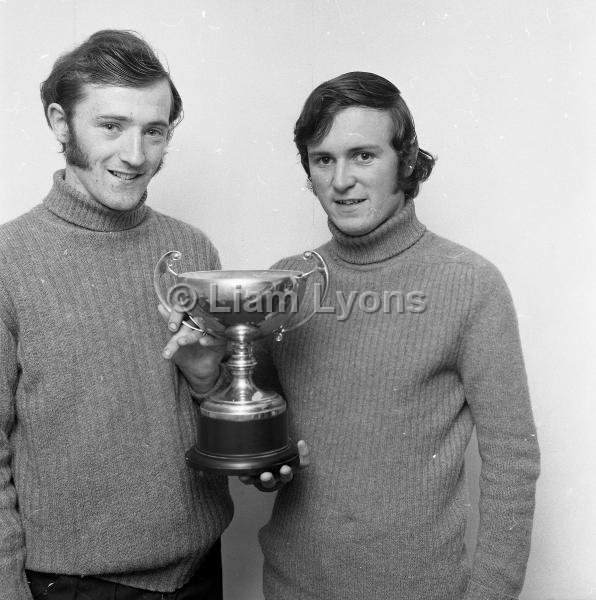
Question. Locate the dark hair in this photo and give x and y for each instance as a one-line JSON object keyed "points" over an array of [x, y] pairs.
{"points": [[372, 91], [108, 57]]}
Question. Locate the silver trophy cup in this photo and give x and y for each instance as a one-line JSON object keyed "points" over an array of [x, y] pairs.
{"points": [[242, 430]]}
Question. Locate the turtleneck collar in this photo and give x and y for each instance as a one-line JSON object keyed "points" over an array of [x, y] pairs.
{"points": [[390, 238], [72, 206]]}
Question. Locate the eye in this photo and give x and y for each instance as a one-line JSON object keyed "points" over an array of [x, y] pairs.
{"points": [[323, 160], [110, 127], [365, 157], [155, 133]]}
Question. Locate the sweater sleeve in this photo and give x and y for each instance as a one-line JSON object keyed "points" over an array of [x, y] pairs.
{"points": [[207, 258], [495, 384], [12, 544]]}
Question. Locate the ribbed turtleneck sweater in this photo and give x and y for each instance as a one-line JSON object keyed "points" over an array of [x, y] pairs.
{"points": [[387, 395], [94, 424]]}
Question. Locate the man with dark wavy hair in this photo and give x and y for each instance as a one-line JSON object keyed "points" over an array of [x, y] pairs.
{"points": [[96, 500], [417, 345]]}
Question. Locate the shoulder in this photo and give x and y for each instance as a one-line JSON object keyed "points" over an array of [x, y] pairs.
{"points": [[163, 220], [178, 228], [485, 291], [14, 233], [435, 249], [18, 240], [22, 220], [185, 237]]}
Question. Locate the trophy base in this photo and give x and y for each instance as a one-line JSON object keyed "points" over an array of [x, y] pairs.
{"points": [[244, 464], [242, 446]]}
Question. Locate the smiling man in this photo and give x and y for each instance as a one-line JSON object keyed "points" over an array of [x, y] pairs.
{"points": [[96, 500], [354, 169], [115, 141], [388, 398]]}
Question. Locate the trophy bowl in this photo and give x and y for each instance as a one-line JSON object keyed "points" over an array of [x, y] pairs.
{"points": [[243, 430]]}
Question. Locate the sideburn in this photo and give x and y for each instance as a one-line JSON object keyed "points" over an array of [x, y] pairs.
{"points": [[73, 153]]}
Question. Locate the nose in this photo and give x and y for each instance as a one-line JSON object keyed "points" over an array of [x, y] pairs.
{"points": [[343, 178], [132, 151]]}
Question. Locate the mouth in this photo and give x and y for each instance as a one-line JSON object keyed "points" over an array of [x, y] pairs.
{"points": [[349, 201], [123, 176]]}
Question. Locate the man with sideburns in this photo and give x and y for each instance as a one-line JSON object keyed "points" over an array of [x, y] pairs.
{"points": [[387, 394], [96, 499]]}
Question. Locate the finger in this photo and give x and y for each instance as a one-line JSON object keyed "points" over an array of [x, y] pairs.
{"points": [[286, 474], [187, 338], [303, 453], [177, 341], [267, 480], [170, 348], [213, 343], [174, 320]]}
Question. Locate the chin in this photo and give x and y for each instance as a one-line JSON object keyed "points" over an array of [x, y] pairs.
{"points": [[354, 229], [121, 204]]}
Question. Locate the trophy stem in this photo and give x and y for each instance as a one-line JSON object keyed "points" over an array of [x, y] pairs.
{"points": [[242, 363]]}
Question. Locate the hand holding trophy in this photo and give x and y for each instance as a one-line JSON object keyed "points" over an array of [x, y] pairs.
{"points": [[242, 430]]}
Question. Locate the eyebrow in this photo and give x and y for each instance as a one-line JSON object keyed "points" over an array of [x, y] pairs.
{"points": [[122, 119], [350, 150]]}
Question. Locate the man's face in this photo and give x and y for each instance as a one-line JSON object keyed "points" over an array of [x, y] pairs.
{"points": [[354, 170], [117, 140]]}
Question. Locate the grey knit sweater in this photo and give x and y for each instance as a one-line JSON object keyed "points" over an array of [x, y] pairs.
{"points": [[94, 424], [387, 395]]}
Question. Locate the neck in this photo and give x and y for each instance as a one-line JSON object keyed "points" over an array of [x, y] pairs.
{"points": [[70, 204], [74, 176], [390, 238]]}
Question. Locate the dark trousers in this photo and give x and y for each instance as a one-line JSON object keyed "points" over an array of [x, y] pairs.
{"points": [[206, 584]]}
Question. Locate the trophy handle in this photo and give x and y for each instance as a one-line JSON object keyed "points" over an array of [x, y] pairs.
{"points": [[321, 268], [164, 265]]}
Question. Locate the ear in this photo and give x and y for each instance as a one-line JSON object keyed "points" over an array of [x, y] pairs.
{"points": [[408, 159], [170, 133], [58, 122], [406, 169]]}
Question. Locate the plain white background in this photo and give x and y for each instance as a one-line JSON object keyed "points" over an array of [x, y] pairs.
{"points": [[502, 93]]}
